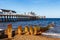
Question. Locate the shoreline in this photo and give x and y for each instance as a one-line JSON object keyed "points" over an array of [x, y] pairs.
{"points": [[31, 37], [49, 35]]}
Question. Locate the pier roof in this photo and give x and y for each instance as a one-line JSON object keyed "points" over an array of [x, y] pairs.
{"points": [[5, 10]]}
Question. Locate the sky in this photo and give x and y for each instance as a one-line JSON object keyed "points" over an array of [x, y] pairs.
{"points": [[48, 8]]}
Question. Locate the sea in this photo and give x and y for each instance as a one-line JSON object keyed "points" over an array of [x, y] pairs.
{"points": [[53, 32]]}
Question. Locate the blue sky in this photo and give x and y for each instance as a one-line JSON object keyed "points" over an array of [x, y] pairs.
{"points": [[48, 8]]}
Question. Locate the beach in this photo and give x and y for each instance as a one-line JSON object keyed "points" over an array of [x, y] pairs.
{"points": [[33, 37]]}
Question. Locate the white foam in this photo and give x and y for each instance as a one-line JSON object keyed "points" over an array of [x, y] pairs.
{"points": [[51, 27], [51, 34], [1, 29]]}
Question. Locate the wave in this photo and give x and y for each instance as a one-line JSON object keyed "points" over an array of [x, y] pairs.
{"points": [[1, 29], [54, 35]]}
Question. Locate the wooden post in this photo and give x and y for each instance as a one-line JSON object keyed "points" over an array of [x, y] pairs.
{"points": [[26, 30], [8, 31], [5, 32], [19, 30], [31, 30], [16, 32], [35, 30]]}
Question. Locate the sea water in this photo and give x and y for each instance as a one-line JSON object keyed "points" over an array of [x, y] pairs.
{"points": [[53, 32]]}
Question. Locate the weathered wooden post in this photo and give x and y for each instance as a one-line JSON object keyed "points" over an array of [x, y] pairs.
{"points": [[31, 30], [8, 31], [16, 32], [5, 32], [26, 30], [35, 30], [19, 30]]}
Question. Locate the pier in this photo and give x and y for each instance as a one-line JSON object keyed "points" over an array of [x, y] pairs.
{"points": [[11, 16], [16, 18]]}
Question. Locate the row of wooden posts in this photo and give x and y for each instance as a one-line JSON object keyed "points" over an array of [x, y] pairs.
{"points": [[27, 30], [19, 30]]}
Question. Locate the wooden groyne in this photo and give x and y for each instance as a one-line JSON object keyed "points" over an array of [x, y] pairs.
{"points": [[36, 30]]}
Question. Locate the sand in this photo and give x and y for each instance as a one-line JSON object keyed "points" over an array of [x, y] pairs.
{"points": [[33, 37]]}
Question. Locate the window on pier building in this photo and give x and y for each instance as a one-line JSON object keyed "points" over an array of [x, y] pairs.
{"points": [[1, 13]]}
